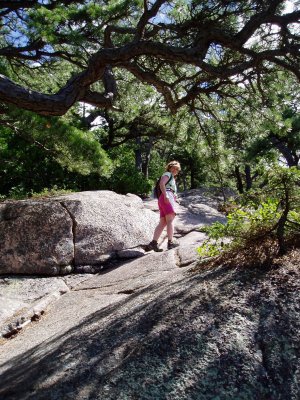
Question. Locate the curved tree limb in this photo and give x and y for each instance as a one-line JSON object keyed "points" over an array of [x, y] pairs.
{"points": [[189, 43]]}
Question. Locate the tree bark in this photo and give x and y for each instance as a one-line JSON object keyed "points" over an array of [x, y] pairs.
{"points": [[138, 154], [239, 181], [146, 53], [193, 181], [284, 150], [248, 177], [281, 224], [148, 149]]}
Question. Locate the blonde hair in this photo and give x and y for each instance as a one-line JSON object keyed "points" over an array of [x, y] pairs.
{"points": [[173, 164]]}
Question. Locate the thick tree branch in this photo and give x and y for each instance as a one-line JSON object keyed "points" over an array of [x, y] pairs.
{"points": [[77, 87], [191, 43], [10, 51], [150, 78], [255, 22], [284, 150], [147, 15], [46, 104]]}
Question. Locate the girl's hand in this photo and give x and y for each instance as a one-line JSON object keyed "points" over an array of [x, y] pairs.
{"points": [[166, 200]]}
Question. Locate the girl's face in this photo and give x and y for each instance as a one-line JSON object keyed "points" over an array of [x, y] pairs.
{"points": [[174, 170]]}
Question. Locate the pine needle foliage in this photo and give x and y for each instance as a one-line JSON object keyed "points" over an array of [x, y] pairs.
{"points": [[264, 224]]}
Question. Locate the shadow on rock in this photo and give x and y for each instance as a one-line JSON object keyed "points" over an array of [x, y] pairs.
{"points": [[222, 334]]}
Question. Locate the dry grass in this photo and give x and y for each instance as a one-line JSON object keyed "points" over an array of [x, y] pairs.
{"points": [[260, 253]]}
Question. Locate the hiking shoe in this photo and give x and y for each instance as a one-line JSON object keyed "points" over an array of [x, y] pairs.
{"points": [[172, 244], [153, 246]]}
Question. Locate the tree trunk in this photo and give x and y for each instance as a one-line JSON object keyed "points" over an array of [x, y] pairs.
{"points": [[138, 154], [239, 181], [111, 133], [193, 183], [248, 177], [148, 148], [183, 177], [281, 224], [284, 150]]}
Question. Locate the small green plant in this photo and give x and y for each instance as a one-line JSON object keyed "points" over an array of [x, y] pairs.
{"points": [[211, 249], [50, 192], [18, 193], [272, 213]]}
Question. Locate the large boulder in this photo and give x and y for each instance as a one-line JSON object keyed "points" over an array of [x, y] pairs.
{"points": [[106, 224], [56, 235], [35, 238]]}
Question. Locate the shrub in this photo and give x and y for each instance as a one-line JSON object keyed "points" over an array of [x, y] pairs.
{"points": [[269, 216], [18, 193]]}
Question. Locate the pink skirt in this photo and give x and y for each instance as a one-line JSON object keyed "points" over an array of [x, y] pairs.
{"points": [[166, 208]]}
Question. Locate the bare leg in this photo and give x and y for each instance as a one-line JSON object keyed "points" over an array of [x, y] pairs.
{"points": [[170, 226], [160, 227]]}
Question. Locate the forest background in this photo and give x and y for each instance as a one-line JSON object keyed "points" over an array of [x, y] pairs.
{"points": [[102, 94], [227, 120]]}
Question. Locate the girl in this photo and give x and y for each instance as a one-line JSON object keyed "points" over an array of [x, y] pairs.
{"points": [[166, 204]]}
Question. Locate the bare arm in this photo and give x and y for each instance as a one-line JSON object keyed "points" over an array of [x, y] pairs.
{"points": [[162, 184]]}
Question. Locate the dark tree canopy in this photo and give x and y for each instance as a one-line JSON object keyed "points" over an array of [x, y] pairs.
{"points": [[185, 49]]}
